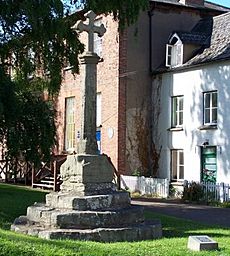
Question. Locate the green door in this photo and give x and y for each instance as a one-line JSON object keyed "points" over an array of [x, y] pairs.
{"points": [[208, 164]]}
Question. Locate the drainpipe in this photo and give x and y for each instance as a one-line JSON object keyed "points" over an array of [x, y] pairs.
{"points": [[150, 14]]}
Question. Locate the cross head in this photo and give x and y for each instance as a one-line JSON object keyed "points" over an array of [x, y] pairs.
{"points": [[90, 28]]}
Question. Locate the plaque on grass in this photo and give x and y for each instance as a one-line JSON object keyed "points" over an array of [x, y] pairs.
{"points": [[199, 243]]}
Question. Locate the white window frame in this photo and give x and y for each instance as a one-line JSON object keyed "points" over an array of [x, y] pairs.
{"points": [[178, 165], [174, 53], [211, 108], [178, 112], [70, 135], [169, 55], [99, 110]]}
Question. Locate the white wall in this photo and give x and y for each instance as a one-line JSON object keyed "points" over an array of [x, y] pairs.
{"points": [[192, 83]]}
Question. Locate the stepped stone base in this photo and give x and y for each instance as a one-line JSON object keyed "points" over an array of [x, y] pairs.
{"points": [[80, 214]]}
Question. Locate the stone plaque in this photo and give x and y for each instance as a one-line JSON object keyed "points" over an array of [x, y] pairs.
{"points": [[199, 243]]}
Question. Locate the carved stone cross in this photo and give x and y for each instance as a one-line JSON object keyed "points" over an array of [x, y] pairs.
{"points": [[90, 28], [87, 143]]}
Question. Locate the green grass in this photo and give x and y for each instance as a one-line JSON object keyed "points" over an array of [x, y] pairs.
{"points": [[14, 201]]}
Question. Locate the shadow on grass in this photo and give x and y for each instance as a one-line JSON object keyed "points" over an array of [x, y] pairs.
{"points": [[176, 227], [14, 201]]}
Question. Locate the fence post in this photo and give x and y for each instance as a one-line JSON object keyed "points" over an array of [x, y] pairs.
{"points": [[54, 166], [222, 192]]}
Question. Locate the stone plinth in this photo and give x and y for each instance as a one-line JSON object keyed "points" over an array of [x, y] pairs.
{"points": [[88, 207], [105, 218], [199, 243], [85, 175]]}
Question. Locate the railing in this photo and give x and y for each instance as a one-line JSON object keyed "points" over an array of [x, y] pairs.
{"points": [[15, 171], [48, 175], [212, 191], [216, 191], [146, 186]]}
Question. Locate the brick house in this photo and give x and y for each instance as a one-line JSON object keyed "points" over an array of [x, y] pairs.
{"points": [[124, 108]]}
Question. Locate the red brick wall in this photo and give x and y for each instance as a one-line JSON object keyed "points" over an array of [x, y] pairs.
{"points": [[107, 84]]}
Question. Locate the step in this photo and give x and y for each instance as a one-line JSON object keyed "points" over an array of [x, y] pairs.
{"points": [[96, 219], [95, 202], [42, 185], [47, 181], [144, 231], [49, 216]]}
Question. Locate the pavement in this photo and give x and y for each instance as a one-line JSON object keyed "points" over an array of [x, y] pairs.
{"points": [[199, 213]]}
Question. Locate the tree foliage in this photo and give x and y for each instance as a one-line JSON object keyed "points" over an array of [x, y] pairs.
{"points": [[36, 40], [125, 11], [26, 123], [36, 35]]}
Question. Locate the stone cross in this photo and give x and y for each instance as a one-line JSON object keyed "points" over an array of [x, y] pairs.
{"points": [[90, 28], [88, 143]]}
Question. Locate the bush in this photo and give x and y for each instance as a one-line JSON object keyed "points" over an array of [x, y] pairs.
{"points": [[193, 192]]}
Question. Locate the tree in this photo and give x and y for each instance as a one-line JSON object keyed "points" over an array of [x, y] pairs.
{"points": [[36, 39], [37, 34]]}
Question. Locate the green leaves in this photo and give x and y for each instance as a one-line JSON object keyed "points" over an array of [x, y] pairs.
{"points": [[36, 43], [27, 127], [36, 38]]}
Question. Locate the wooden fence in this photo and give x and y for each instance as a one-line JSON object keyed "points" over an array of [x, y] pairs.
{"points": [[216, 191], [15, 171], [213, 191], [146, 186]]}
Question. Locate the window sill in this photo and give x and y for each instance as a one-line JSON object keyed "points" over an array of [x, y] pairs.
{"points": [[208, 127], [175, 129], [177, 183]]}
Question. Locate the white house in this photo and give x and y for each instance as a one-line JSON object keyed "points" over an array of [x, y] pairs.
{"points": [[194, 120]]}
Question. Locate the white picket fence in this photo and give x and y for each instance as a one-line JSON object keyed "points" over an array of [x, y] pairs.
{"points": [[215, 191], [146, 186], [218, 191]]}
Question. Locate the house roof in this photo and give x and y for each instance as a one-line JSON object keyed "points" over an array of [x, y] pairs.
{"points": [[207, 5], [217, 42], [192, 37]]}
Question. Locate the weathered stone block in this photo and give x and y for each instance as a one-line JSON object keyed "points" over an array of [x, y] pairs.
{"points": [[199, 243], [131, 233], [87, 169], [95, 219], [94, 202], [39, 213]]}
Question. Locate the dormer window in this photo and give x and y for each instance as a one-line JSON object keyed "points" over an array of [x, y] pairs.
{"points": [[174, 52]]}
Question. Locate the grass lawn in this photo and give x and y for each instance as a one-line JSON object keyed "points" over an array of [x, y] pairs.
{"points": [[14, 201]]}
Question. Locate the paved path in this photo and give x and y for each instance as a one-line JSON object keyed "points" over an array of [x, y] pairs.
{"points": [[200, 213]]}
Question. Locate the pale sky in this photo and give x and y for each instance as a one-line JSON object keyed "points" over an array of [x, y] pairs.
{"points": [[221, 2]]}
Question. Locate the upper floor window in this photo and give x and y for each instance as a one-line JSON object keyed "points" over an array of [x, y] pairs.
{"points": [[98, 117], [210, 108], [177, 111], [98, 40], [177, 164], [69, 123], [174, 52]]}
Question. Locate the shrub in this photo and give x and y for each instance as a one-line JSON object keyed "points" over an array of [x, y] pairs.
{"points": [[193, 192]]}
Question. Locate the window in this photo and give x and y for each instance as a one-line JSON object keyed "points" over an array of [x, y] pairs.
{"points": [[177, 111], [209, 168], [69, 123], [177, 164], [98, 122], [174, 56], [98, 40], [98, 103], [210, 108]]}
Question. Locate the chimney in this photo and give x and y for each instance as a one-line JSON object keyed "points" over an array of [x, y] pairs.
{"points": [[192, 2]]}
